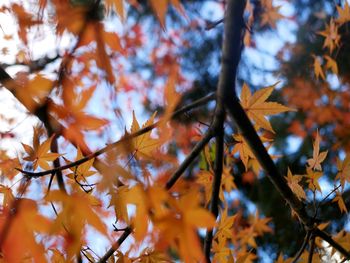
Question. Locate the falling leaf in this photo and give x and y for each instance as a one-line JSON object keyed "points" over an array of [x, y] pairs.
{"points": [[257, 108], [293, 182]]}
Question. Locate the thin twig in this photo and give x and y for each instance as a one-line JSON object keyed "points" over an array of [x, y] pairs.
{"points": [[124, 139], [116, 245], [303, 246]]}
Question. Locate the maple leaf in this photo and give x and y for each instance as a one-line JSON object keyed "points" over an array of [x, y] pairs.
{"points": [[39, 153], [331, 64], [339, 199], [332, 38], [221, 252], [245, 153], [205, 179], [8, 165], [160, 8], [317, 68], [343, 170], [257, 108], [119, 201], [7, 196], [118, 6], [225, 224], [317, 156], [77, 210], [312, 179], [344, 14], [271, 14], [81, 171], [26, 224], [143, 145], [293, 183], [260, 224], [178, 226]]}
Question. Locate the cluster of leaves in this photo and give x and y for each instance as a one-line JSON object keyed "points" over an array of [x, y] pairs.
{"points": [[132, 186]]}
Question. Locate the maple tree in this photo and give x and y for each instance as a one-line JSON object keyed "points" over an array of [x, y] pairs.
{"points": [[179, 186]]}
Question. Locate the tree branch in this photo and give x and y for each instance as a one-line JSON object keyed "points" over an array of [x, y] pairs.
{"points": [[193, 154], [124, 139], [116, 245], [312, 249], [332, 242], [303, 246], [234, 32], [219, 159]]}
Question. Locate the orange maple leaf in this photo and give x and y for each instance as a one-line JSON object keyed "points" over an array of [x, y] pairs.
{"points": [[271, 14], [332, 37], [312, 179], [339, 199], [257, 108], [293, 183], [143, 145], [178, 226], [344, 14], [77, 210], [81, 171], [317, 156], [343, 170], [318, 68], [39, 154], [25, 225]]}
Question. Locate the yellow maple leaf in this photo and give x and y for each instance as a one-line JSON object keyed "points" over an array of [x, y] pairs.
{"points": [[317, 156], [143, 145], [39, 154], [77, 210], [344, 14], [312, 179], [80, 172], [331, 64], [225, 225], [293, 183], [343, 170], [180, 223], [260, 224], [339, 199], [257, 108]]}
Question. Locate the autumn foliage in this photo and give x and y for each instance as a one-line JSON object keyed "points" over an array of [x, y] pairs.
{"points": [[121, 164]]}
